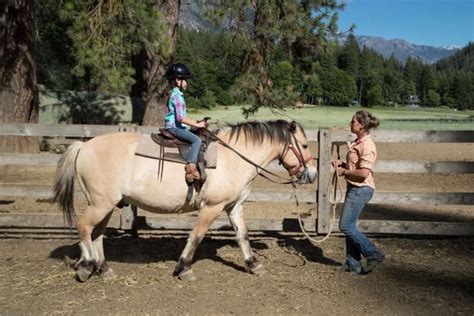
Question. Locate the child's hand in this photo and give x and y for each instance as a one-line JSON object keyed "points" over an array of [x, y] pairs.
{"points": [[201, 124]]}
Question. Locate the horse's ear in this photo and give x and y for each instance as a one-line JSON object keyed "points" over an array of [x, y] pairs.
{"points": [[293, 126]]}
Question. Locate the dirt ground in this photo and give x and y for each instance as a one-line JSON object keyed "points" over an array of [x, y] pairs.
{"points": [[422, 275]]}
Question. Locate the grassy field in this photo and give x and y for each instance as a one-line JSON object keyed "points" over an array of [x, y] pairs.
{"points": [[55, 106], [402, 118]]}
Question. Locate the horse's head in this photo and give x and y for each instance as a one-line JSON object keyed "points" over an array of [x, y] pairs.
{"points": [[296, 157]]}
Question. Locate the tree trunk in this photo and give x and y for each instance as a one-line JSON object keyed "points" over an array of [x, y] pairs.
{"points": [[19, 100], [151, 84]]}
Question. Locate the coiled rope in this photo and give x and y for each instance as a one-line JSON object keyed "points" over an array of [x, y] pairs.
{"points": [[333, 200]]}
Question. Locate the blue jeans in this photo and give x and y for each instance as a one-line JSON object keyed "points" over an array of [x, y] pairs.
{"points": [[357, 243], [188, 136]]}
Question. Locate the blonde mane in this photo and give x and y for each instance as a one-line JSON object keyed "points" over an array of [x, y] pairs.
{"points": [[277, 131]]}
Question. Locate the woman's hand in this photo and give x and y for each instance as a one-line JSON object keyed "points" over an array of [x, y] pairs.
{"points": [[338, 163], [341, 171]]}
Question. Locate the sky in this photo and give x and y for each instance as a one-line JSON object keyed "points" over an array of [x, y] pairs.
{"points": [[422, 22]]}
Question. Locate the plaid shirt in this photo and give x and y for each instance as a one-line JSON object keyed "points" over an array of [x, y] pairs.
{"points": [[176, 109]]}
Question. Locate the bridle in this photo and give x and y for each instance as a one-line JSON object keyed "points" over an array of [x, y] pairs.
{"points": [[291, 170], [295, 148]]}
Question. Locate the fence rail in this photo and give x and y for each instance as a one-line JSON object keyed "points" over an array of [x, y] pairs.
{"points": [[278, 195], [383, 166], [338, 135], [327, 140]]}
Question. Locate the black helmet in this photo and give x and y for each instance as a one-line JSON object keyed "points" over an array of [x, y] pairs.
{"points": [[178, 71]]}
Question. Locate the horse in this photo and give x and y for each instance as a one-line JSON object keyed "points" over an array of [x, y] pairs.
{"points": [[111, 175]]}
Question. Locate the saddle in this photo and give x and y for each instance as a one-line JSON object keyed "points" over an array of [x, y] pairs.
{"points": [[165, 146], [166, 139]]}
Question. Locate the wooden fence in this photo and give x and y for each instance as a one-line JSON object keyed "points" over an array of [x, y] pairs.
{"points": [[327, 140]]}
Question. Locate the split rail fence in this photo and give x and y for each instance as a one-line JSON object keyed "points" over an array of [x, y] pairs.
{"points": [[327, 140]]}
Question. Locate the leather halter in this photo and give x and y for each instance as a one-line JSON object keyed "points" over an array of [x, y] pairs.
{"points": [[291, 171], [298, 154]]}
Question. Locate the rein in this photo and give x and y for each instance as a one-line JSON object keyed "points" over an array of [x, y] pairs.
{"points": [[220, 141], [302, 163]]}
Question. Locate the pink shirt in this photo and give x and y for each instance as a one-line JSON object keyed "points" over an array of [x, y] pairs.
{"points": [[362, 154]]}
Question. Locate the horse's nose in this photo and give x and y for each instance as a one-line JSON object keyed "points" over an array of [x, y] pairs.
{"points": [[310, 174]]}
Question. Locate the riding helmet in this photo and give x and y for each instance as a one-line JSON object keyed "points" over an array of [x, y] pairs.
{"points": [[178, 71]]}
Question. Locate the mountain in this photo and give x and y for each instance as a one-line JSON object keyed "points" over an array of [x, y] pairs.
{"points": [[191, 17], [462, 60], [402, 49]]}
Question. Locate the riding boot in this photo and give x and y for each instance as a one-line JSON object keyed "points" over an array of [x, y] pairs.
{"points": [[192, 173]]}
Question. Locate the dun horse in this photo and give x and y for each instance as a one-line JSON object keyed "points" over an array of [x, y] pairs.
{"points": [[110, 174]]}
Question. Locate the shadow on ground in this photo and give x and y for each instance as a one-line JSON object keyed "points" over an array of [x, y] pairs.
{"points": [[143, 250]]}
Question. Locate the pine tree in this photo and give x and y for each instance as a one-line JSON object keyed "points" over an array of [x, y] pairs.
{"points": [[54, 50], [462, 90], [313, 89], [18, 90], [455, 75], [264, 25], [338, 88], [108, 34], [215, 60], [392, 81], [426, 82], [349, 57], [370, 75]]}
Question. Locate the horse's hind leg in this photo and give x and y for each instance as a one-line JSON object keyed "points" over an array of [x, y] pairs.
{"points": [[242, 237], [98, 243], [92, 254], [206, 216]]}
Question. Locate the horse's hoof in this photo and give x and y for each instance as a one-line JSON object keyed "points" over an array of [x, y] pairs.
{"points": [[83, 274], [187, 275], [109, 275], [258, 270]]}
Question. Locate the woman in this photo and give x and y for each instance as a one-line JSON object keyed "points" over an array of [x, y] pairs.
{"points": [[359, 174], [176, 121]]}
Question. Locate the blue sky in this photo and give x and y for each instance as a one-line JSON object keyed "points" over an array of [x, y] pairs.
{"points": [[423, 22]]}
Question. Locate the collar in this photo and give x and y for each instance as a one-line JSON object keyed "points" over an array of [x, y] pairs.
{"points": [[176, 90], [358, 141]]}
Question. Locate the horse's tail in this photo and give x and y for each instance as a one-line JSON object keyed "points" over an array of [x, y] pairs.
{"points": [[64, 182]]}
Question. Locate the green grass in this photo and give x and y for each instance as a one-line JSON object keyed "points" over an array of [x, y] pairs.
{"points": [[402, 118], [119, 109]]}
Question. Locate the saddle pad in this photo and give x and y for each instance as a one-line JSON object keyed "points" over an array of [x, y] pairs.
{"points": [[148, 148]]}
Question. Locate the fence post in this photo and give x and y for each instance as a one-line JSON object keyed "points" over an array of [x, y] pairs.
{"points": [[324, 178]]}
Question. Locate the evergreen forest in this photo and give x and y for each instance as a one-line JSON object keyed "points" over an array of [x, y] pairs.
{"points": [[337, 74]]}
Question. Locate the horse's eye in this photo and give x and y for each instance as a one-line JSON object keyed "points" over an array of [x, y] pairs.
{"points": [[305, 146]]}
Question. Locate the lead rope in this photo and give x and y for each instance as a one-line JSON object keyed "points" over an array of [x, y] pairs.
{"points": [[333, 200]]}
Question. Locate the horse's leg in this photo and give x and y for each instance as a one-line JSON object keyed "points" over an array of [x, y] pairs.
{"points": [[90, 256], [98, 238], [242, 237], [206, 216]]}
